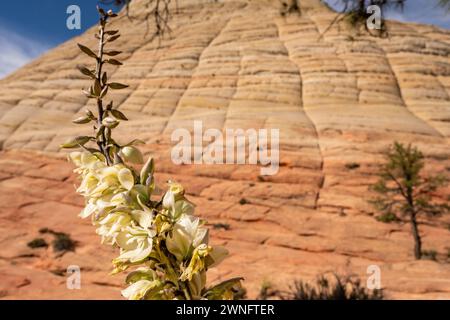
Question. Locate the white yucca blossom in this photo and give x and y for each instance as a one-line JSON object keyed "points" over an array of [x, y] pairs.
{"points": [[186, 236], [135, 243], [140, 289], [112, 224], [145, 231]]}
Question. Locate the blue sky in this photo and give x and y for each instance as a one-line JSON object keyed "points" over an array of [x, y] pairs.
{"points": [[29, 28], [421, 11]]}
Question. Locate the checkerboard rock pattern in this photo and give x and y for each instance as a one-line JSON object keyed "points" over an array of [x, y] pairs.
{"points": [[338, 99]]}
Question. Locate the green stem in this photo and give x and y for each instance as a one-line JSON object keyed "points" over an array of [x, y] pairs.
{"points": [[172, 268], [103, 143], [186, 292]]}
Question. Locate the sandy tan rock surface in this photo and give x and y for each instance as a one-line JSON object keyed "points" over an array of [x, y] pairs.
{"points": [[239, 64]]}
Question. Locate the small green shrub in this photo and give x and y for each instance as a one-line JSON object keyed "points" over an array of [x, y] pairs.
{"points": [[221, 225], [243, 201], [58, 272], [266, 291], [429, 254], [290, 6], [332, 288], [37, 243], [44, 230], [61, 242], [356, 18], [387, 217], [445, 4], [352, 165]]}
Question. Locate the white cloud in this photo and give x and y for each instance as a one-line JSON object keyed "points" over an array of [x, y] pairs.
{"points": [[17, 50]]}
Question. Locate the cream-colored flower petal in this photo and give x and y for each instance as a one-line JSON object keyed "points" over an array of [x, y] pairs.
{"points": [[143, 251], [217, 255], [169, 200], [143, 218], [137, 290], [179, 243], [88, 210], [123, 240], [119, 199], [201, 237], [184, 207], [75, 157], [88, 184], [138, 254], [126, 178]]}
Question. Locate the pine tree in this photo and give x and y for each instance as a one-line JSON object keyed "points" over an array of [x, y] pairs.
{"points": [[404, 190]]}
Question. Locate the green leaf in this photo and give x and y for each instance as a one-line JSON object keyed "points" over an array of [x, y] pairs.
{"points": [[137, 275], [134, 142], [82, 120], [90, 114], [216, 292], [105, 78], [112, 53], [97, 88], [118, 115], [117, 86], [111, 32], [78, 141], [86, 72], [109, 106], [114, 62], [87, 51], [101, 11], [113, 38], [147, 170]]}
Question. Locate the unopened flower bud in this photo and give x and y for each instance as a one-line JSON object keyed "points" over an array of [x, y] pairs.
{"points": [[110, 123], [131, 154]]}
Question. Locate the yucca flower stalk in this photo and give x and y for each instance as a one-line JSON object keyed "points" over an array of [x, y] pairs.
{"points": [[160, 239]]}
